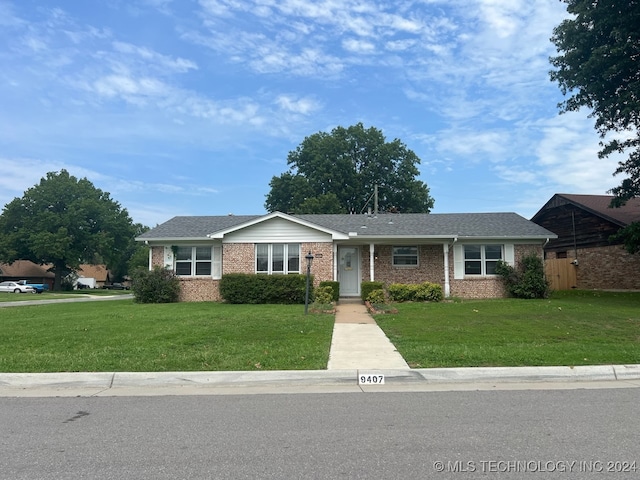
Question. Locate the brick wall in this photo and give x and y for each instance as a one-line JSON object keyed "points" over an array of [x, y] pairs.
{"points": [[322, 264], [238, 258], [199, 290], [607, 268], [430, 266], [157, 256]]}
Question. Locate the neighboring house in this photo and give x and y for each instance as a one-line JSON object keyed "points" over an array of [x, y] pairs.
{"points": [[26, 270], [583, 256], [457, 251], [99, 273]]}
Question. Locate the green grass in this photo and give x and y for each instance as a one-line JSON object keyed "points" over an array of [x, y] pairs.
{"points": [[120, 335], [571, 328]]}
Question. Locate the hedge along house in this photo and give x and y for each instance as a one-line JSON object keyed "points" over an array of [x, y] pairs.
{"points": [[457, 251]]}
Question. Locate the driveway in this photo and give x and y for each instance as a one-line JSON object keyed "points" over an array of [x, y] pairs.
{"points": [[84, 298]]}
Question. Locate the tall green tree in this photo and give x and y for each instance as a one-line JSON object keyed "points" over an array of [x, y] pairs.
{"points": [[134, 256], [64, 222], [336, 173], [599, 67]]}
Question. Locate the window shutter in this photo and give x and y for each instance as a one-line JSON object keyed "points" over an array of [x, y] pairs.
{"points": [[216, 262], [458, 261], [168, 258], [509, 254]]}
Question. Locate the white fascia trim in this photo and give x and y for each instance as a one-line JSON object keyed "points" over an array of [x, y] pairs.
{"points": [[334, 234], [509, 238], [166, 240], [382, 238]]}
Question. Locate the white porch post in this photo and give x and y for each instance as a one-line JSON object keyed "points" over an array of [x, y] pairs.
{"points": [[335, 262], [447, 286], [372, 272]]}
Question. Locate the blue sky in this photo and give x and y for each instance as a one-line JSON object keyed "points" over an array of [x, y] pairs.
{"points": [[190, 107]]}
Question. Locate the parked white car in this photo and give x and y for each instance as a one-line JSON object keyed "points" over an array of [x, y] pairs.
{"points": [[15, 287]]}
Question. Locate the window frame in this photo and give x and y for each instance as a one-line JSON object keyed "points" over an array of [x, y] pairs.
{"points": [[483, 260], [395, 256], [278, 259], [196, 261]]}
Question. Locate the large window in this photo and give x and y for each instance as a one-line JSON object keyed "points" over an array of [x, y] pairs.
{"points": [[481, 259], [405, 256], [278, 258], [194, 261]]}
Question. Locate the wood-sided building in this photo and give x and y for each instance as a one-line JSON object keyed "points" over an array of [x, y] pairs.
{"points": [[584, 255]]}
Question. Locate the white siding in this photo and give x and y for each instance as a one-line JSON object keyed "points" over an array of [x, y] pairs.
{"points": [[277, 230]]}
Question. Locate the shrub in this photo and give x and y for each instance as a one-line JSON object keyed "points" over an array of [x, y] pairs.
{"points": [[526, 282], [401, 292], [415, 292], [367, 287], [335, 289], [155, 286], [260, 289], [429, 292], [323, 294], [376, 297]]}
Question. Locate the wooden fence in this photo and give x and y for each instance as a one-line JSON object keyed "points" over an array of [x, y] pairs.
{"points": [[560, 273]]}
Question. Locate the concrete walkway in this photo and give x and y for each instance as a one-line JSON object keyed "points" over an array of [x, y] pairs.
{"points": [[359, 343]]}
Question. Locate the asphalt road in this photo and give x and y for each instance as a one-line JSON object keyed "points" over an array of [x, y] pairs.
{"points": [[524, 434]]}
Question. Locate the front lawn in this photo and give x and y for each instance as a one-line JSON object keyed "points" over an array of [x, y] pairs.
{"points": [[571, 328], [120, 335]]}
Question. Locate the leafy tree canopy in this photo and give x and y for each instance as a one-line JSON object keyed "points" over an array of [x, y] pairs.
{"points": [[65, 222], [599, 65], [336, 173]]}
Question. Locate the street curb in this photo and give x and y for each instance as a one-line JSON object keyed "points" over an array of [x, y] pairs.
{"points": [[114, 380]]}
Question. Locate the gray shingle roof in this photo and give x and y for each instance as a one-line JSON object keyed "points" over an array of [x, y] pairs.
{"points": [[480, 225]]}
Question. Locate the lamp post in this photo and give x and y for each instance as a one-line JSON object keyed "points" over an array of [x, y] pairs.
{"points": [[309, 258]]}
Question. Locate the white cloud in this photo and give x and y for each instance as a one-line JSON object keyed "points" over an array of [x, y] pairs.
{"points": [[568, 156], [290, 103], [167, 64], [358, 46]]}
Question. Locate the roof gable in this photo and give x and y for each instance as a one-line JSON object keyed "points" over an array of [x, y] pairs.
{"points": [[277, 215], [25, 268], [598, 205], [99, 272]]}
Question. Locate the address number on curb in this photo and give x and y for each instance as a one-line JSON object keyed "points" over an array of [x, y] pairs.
{"points": [[370, 379]]}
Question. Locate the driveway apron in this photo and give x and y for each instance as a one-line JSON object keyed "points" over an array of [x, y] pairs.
{"points": [[359, 343]]}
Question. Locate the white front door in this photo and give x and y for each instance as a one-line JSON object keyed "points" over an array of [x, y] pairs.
{"points": [[349, 271]]}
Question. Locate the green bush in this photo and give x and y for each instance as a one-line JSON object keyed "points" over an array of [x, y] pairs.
{"points": [[415, 292], [155, 286], [376, 297], [526, 282], [367, 287], [429, 292], [401, 292], [242, 288], [335, 289], [323, 294]]}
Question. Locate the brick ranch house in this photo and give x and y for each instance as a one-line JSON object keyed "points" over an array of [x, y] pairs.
{"points": [[583, 255], [457, 251]]}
